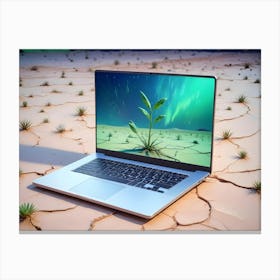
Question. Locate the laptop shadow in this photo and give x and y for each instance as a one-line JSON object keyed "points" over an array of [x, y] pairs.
{"points": [[45, 155]]}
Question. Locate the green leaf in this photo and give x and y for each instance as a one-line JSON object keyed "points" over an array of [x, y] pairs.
{"points": [[160, 117], [159, 103], [132, 127], [148, 115], [145, 100]]}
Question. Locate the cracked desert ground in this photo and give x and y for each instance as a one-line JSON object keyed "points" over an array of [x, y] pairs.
{"points": [[226, 201]]}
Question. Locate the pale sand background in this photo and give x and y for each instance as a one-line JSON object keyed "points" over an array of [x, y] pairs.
{"points": [[225, 201]]}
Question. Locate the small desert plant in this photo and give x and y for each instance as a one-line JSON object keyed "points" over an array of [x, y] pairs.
{"points": [[241, 99], [109, 136], [246, 65], [48, 104], [44, 84], [70, 84], [126, 140], [257, 185], [228, 108], [62, 74], [24, 124], [86, 57], [45, 120], [257, 81], [226, 134], [242, 154], [178, 137], [34, 68], [195, 142], [56, 91], [81, 93], [60, 128], [24, 104], [116, 62], [30, 95], [245, 78], [227, 89], [154, 65], [148, 145], [42, 111], [26, 210], [81, 111]]}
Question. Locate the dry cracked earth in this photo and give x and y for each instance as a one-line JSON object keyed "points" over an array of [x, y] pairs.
{"points": [[54, 84]]}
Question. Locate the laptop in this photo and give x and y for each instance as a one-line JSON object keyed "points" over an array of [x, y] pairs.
{"points": [[154, 142]]}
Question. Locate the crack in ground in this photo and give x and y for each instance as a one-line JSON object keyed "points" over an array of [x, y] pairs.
{"points": [[242, 171], [96, 220], [79, 140], [212, 227], [39, 173], [234, 118], [230, 182], [195, 223], [222, 170], [48, 211], [37, 136], [60, 104], [58, 210], [246, 136], [86, 124], [35, 226], [235, 138]]}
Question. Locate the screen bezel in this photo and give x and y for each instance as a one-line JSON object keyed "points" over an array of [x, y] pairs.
{"points": [[156, 161]]}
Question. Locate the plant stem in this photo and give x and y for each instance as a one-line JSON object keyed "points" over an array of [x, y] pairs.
{"points": [[150, 128]]}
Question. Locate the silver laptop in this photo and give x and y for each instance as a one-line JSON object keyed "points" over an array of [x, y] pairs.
{"points": [[154, 142]]}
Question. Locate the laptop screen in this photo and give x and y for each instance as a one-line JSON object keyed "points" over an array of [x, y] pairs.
{"points": [[167, 117]]}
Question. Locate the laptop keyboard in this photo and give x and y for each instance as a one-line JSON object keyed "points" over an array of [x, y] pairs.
{"points": [[130, 174]]}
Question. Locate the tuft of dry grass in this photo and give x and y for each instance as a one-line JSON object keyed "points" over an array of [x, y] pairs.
{"points": [[24, 104], [242, 99], [25, 124], [44, 84], [226, 134], [258, 186], [154, 65], [242, 155], [60, 128], [81, 111], [34, 68], [55, 91]]}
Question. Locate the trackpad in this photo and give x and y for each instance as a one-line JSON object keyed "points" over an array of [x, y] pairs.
{"points": [[96, 189]]}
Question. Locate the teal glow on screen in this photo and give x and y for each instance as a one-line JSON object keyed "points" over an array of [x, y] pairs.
{"points": [[156, 115]]}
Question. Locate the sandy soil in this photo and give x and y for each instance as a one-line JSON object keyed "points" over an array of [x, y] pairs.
{"points": [[60, 83]]}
